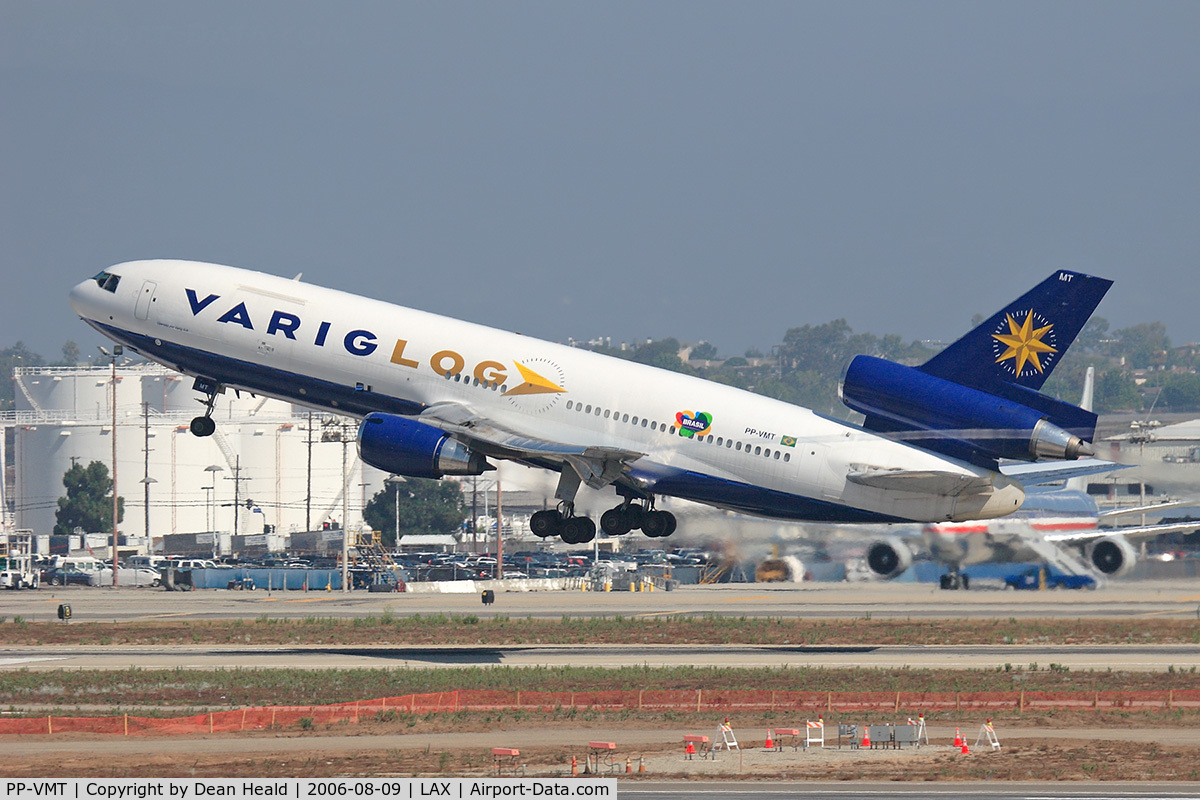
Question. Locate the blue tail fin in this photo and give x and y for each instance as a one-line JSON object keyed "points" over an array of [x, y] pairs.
{"points": [[1022, 343]]}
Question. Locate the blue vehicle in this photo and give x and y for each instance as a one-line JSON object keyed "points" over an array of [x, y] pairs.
{"points": [[1048, 578]]}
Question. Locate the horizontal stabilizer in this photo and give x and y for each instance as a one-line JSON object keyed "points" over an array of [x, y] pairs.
{"points": [[1139, 532], [920, 481], [1043, 472]]}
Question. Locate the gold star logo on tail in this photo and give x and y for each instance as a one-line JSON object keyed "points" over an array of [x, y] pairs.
{"points": [[534, 383], [1024, 343]]}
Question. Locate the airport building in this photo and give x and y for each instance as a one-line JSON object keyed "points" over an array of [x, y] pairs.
{"points": [[270, 470]]}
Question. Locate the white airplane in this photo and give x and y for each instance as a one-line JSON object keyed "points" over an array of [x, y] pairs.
{"points": [[439, 396], [1053, 526]]}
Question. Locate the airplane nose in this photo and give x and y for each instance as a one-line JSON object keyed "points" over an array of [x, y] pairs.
{"points": [[84, 300], [77, 297]]}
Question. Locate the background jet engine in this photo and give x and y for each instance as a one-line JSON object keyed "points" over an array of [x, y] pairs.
{"points": [[406, 447], [1113, 555], [889, 557]]}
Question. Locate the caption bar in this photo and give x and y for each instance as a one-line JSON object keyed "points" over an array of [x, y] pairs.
{"points": [[307, 788]]}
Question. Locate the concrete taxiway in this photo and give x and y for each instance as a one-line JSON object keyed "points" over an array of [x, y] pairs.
{"points": [[1133, 657], [880, 600]]}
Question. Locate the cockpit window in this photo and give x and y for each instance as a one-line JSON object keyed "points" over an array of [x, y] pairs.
{"points": [[107, 281]]}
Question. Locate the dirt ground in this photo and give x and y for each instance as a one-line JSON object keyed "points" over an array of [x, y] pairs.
{"points": [[1029, 752]]}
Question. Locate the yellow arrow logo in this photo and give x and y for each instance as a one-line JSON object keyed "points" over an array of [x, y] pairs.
{"points": [[534, 383]]}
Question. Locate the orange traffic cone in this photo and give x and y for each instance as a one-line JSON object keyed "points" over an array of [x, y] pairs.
{"points": [[628, 766], [574, 766], [958, 740], [965, 750], [641, 763], [866, 740], [769, 744]]}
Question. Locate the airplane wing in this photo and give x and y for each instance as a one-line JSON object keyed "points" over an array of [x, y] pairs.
{"points": [[925, 481], [1137, 532], [597, 466], [1149, 508], [1043, 472]]}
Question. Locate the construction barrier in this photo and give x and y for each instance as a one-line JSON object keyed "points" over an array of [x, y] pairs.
{"points": [[685, 700]]}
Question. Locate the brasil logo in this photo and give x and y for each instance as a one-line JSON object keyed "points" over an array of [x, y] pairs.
{"points": [[693, 423]]}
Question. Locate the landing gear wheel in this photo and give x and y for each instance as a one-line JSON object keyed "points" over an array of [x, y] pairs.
{"points": [[545, 524], [203, 426], [952, 580], [578, 530], [636, 515], [615, 522], [658, 523]]}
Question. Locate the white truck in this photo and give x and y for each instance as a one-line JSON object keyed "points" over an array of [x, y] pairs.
{"points": [[16, 561]]}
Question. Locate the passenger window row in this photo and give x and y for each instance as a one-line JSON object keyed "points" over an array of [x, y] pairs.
{"points": [[458, 377], [759, 450]]}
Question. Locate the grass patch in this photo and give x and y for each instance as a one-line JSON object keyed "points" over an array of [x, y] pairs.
{"points": [[220, 689], [471, 629]]}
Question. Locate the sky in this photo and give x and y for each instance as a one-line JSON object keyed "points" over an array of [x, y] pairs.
{"points": [[709, 171]]}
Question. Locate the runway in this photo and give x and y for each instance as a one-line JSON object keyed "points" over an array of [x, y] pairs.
{"points": [[1119, 599], [1149, 658]]}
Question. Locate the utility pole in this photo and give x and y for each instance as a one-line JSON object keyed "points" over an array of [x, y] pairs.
{"points": [[345, 514], [116, 351], [308, 481], [499, 530], [237, 494], [474, 515], [146, 480]]}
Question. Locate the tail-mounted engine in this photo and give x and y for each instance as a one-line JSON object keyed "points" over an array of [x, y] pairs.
{"points": [[962, 422], [406, 447]]}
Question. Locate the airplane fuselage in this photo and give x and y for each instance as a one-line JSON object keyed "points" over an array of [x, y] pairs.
{"points": [[1015, 538], [351, 355]]}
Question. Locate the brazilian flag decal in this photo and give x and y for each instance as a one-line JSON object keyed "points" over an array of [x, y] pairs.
{"points": [[787, 441]]}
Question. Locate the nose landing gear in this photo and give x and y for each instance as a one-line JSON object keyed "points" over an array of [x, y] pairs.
{"points": [[203, 425]]}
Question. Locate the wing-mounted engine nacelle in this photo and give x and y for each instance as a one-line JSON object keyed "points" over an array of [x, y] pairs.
{"points": [[963, 422], [1113, 555], [889, 557], [406, 447]]}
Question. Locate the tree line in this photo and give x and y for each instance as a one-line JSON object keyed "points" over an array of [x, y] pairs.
{"points": [[1137, 368]]}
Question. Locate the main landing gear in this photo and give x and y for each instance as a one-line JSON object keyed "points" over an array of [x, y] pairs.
{"points": [[617, 521], [632, 516], [562, 522], [956, 580], [203, 425]]}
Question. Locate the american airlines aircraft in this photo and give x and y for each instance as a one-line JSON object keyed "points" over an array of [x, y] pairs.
{"points": [[439, 396], [1053, 525]]}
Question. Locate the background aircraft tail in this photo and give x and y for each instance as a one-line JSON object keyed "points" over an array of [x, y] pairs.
{"points": [[1079, 483]]}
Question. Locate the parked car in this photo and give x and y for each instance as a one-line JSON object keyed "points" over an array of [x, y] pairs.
{"points": [[1033, 579], [129, 576], [65, 576]]}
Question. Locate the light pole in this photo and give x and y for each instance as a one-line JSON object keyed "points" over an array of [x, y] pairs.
{"points": [[396, 480], [208, 509], [213, 469], [116, 351]]}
